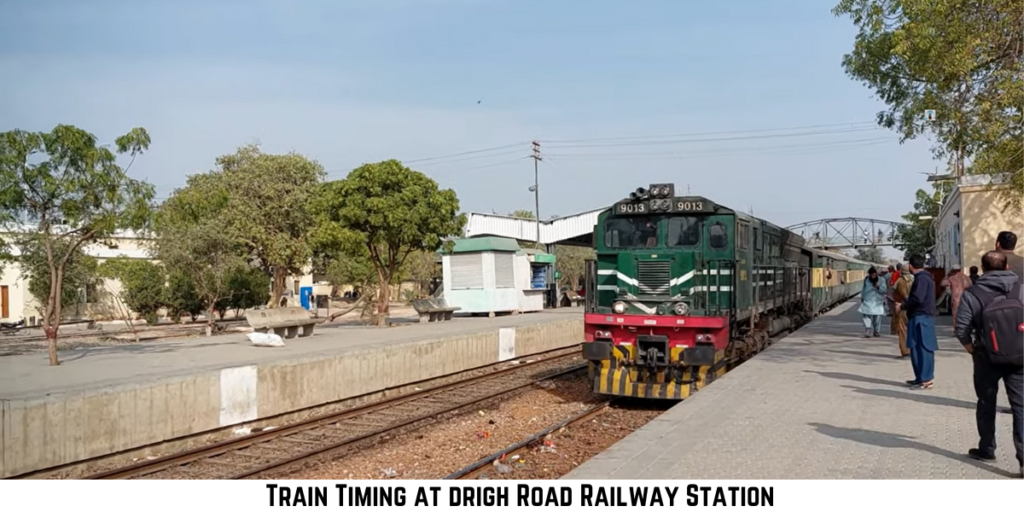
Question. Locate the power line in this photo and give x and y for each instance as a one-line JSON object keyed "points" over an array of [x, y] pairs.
{"points": [[811, 145], [694, 134], [475, 151], [716, 139], [793, 150]]}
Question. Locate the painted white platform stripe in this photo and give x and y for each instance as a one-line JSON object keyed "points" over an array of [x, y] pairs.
{"points": [[506, 343], [238, 395]]}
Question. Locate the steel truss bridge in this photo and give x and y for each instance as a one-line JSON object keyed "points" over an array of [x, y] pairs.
{"points": [[848, 233]]}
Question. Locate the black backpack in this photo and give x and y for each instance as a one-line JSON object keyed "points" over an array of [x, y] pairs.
{"points": [[1001, 329]]}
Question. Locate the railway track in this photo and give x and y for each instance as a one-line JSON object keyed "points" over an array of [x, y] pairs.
{"points": [[271, 451], [487, 464]]}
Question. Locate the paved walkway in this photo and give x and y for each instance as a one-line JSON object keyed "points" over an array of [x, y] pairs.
{"points": [[820, 404], [30, 375]]}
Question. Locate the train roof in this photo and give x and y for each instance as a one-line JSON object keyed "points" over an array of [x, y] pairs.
{"points": [[842, 257]]}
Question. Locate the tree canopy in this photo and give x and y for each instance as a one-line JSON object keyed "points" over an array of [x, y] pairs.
{"points": [[142, 285], [960, 58], [917, 237], [385, 212], [61, 190], [193, 243], [268, 208]]}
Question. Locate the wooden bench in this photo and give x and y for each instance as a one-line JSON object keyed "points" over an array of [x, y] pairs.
{"points": [[284, 322], [433, 310]]}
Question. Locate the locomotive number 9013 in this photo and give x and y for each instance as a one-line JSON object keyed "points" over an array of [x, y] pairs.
{"points": [[632, 207]]}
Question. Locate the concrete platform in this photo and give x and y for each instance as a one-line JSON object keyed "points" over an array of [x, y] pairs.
{"points": [[820, 404], [109, 399]]}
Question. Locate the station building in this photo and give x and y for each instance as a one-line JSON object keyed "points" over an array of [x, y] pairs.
{"points": [[970, 219]]}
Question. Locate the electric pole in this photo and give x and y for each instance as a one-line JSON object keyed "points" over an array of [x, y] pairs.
{"points": [[536, 183]]}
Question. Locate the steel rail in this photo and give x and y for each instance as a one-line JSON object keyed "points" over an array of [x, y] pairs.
{"points": [[218, 448]]}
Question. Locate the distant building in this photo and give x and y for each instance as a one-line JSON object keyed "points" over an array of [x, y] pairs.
{"points": [[97, 302], [971, 217]]}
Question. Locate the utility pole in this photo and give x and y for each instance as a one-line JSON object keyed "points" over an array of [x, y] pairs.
{"points": [[536, 183]]}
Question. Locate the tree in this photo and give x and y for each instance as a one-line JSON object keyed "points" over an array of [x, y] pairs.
{"points": [[960, 58], [269, 209], [80, 272], [143, 287], [384, 212], [871, 255], [249, 287], [193, 240], [917, 237], [182, 298], [422, 267], [570, 261], [74, 193]]}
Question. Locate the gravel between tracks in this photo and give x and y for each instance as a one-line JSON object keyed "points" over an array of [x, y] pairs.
{"points": [[438, 450]]}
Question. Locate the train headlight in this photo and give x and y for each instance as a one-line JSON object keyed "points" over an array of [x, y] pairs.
{"points": [[681, 308], [619, 308]]}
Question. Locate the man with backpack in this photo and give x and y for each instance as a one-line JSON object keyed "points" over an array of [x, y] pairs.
{"points": [[990, 326]]}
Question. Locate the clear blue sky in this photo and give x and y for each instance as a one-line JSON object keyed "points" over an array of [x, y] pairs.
{"points": [[353, 81]]}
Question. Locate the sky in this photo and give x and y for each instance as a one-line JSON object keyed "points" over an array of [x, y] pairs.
{"points": [[744, 102]]}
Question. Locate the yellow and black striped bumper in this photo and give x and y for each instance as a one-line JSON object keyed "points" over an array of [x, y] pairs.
{"points": [[614, 376]]}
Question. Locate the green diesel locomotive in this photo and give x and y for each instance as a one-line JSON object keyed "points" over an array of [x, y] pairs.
{"points": [[683, 289]]}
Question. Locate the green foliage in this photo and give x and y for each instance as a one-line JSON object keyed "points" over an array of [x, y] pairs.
{"points": [[384, 212], [269, 208], [917, 236], [73, 193], [570, 261], [182, 297], [193, 241], [960, 58], [249, 287], [79, 274], [872, 255], [143, 287]]}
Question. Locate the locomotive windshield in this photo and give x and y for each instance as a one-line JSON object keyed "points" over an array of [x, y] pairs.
{"points": [[683, 231], [631, 232]]}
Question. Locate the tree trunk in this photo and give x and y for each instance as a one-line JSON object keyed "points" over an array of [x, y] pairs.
{"points": [[51, 344], [383, 297], [278, 287], [209, 322]]}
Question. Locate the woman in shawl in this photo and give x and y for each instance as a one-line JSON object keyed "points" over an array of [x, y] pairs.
{"points": [[872, 303]]}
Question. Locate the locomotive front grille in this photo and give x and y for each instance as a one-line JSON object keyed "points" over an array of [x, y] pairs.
{"points": [[654, 277]]}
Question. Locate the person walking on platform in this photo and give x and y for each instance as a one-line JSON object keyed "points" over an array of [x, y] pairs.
{"points": [[921, 340], [988, 326], [901, 290], [957, 283], [974, 274], [890, 276], [872, 303], [1006, 242]]}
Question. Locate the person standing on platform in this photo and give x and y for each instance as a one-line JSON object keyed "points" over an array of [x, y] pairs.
{"points": [[921, 340], [1006, 242], [901, 291], [957, 283], [990, 332], [974, 275], [893, 277], [872, 303]]}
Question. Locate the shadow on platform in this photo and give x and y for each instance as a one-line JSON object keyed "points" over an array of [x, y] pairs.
{"points": [[887, 440]]}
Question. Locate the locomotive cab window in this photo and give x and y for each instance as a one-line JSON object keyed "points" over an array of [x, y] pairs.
{"points": [[718, 235], [630, 232], [683, 231]]}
